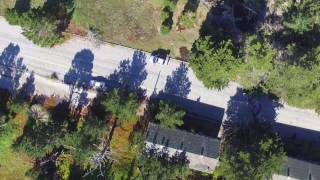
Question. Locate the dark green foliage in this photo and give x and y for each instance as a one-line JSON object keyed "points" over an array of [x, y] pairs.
{"points": [[251, 152], [122, 104], [40, 30], [310, 59], [214, 62], [168, 115], [137, 139], [44, 26], [39, 139], [83, 143], [258, 62], [302, 16], [297, 86], [154, 167]]}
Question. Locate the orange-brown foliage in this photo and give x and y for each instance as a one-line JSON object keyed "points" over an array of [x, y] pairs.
{"points": [[120, 141]]}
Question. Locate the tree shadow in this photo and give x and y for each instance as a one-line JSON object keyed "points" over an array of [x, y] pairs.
{"points": [[233, 19], [130, 74], [80, 73], [161, 53], [246, 106], [60, 113], [61, 10], [28, 88], [178, 83], [191, 6], [168, 22], [11, 68], [22, 6]]}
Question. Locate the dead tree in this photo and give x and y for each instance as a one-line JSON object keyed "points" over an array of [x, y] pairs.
{"points": [[101, 159]]}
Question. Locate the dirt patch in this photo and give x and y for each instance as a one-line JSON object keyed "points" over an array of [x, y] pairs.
{"points": [[74, 29]]}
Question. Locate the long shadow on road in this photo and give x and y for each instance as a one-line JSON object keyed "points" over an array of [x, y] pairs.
{"points": [[79, 77], [178, 83], [80, 73], [11, 68], [130, 74], [244, 106]]}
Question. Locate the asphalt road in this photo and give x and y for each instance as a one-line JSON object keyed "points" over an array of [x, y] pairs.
{"points": [[45, 61]]}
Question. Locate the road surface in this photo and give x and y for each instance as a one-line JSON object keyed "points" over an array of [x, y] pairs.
{"points": [[45, 61]]}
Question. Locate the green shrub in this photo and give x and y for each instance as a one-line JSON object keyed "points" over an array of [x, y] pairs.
{"points": [[40, 30], [170, 3], [43, 26], [164, 15], [165, 30], [214, 61], [168, 115], [64, 164], [187, 19]]}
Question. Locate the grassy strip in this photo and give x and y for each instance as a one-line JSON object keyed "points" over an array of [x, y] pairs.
{"points": [[13, 165]]}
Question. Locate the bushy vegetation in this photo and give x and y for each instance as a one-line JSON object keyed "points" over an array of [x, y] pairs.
{"points": [[189, 13], [187, 19], [258, 62], [44, 26], [40, 30], [302, 16], [297, 86], [167, 114], [284, 63], [154, 165], [122, 104], [251, 152], [166, 16], [214, 62]]}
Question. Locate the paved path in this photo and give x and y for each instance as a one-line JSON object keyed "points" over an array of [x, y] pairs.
{"points": [[45, 61]]}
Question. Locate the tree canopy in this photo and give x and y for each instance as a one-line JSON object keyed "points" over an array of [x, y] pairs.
{"points": [[168, 115], [251, 152], [302, 16], [122, 104], [43, 26], [214, 62], [154, 166], [258, 62]]}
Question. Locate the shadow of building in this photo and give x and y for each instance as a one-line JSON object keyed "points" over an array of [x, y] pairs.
{"points": [[200, 118]]}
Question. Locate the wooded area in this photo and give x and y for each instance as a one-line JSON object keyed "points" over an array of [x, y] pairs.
{"points": [[268, 47]]}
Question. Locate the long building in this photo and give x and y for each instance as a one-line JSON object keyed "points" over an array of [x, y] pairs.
{"points": [[299, 170], [202, 152]]}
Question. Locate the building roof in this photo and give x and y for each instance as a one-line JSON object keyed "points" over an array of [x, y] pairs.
{"points": [[183, 140], [300, 169]]}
